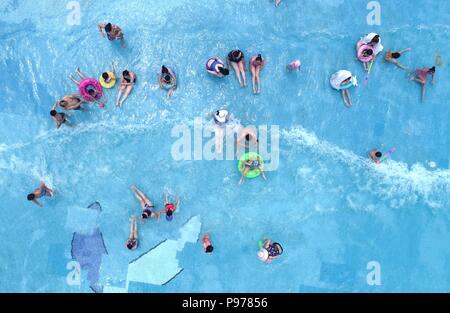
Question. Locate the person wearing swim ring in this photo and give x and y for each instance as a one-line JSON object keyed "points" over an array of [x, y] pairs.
{"points": [[132, 241], [216, 67], [251, 165], [167, 80], [60, 118], [237, 60], [126, 84], [256, 65], [247, 137], [420, 75], [109, 79], [207, 245], [375, 155], [112, 32], [170, 208], [71, 102], [365, 54], [42, 191], [392, 56], [148, 208], [221, 119], [269, 251]]}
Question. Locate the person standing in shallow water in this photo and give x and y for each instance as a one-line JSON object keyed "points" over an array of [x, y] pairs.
{"points": [[112, 32], [42, 191]]}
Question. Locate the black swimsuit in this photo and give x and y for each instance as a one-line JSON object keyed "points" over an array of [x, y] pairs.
{"points": [[233, 59]]}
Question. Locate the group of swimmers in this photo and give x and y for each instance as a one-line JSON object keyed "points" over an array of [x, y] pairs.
{"points": [[367, 49]]}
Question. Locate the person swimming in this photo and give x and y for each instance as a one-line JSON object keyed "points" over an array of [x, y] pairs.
{"points": [[132, 241], [148, 208], [421, 75], [112, 32], [375, 155], [250, 165], [294, 65], [216, 67], [257, 63], [170, 208], [60, 118], [237, 60], [207, 245], [126, 84], [42, 191], [247, 137], [71, 102], [392, 56], [269, 251], [168, 80]]}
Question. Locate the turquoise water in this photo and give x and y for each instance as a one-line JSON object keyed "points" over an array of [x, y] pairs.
{"points": [[331, 209]]}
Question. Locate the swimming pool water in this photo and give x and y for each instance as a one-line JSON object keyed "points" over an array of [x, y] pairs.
{"points": [[332, 210]]}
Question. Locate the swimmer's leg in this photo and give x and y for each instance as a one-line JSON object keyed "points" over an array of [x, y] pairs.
{"points": [[121, 89], [262, 172], [346, 97], [237, 71], [253, 70], [258, 79], [423, 91], [243, 175], [242, 70], [127, 93], [80, 74], [74, 80]]}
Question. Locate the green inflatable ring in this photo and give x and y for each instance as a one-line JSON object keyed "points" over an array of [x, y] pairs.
{"points": [[247, 157]]}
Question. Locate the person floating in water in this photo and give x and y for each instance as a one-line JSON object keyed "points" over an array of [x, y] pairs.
{"points": [[269, 251], [221, 119], [132, 241], [247, 137], [294, 65], [60, 118], [71, 102], [170, 208], [112, 32], [256, 65], [250, 165], [392, 56], [126, 84], [372, 41], [375, 155], [207, 245], [42, 191], [168, 80], [421, 75], [216, 67], [108, 78], [148, 208], [237, 60]]}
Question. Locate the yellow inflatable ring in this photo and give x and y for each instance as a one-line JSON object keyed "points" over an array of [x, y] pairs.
{"points": [[111, 83]]}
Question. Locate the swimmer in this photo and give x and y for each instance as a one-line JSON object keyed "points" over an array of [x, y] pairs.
{"points": [[60, 118], [107, 78], [392, 56], [126, 84], [169, 209], [167, 80], [132, 241], [148, 208], [112, 32], [269, 251], [346, 93], [207, 245], [421, 75], [277, 2], [256, 65], [71, 102], [294, 65], [221, 119], [237, 60], [251, 165], [246, 137], [42, 191], [367, 53], [375, 155], [216, 67]]}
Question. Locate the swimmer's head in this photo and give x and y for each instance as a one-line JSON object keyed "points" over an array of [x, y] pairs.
{"points": [[224, 71], [145, 215], [236, 54], [105, 76], [164, 69], [167, 78], [108, 27], [130, 245], [433, 69], [378, 154], [375, 39], [31, 197], [126, 73], [53, 112], [91, 92], [247, 137], [209, 249], [259, 58], [368, 52], [396, 55], [63, 103], [169, 215]]}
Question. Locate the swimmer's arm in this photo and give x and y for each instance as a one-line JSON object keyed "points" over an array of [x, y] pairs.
{"points": [[432, 80], [37, 202], [113, 68], [100, 29]]}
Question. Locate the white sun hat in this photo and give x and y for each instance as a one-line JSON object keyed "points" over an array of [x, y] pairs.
{"points": [[263, 255], [221, 116]]}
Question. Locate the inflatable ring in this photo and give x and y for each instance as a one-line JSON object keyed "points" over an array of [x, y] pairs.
{"points": [[111, 83], [360, 53], [253, 173], [90, 82]]}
